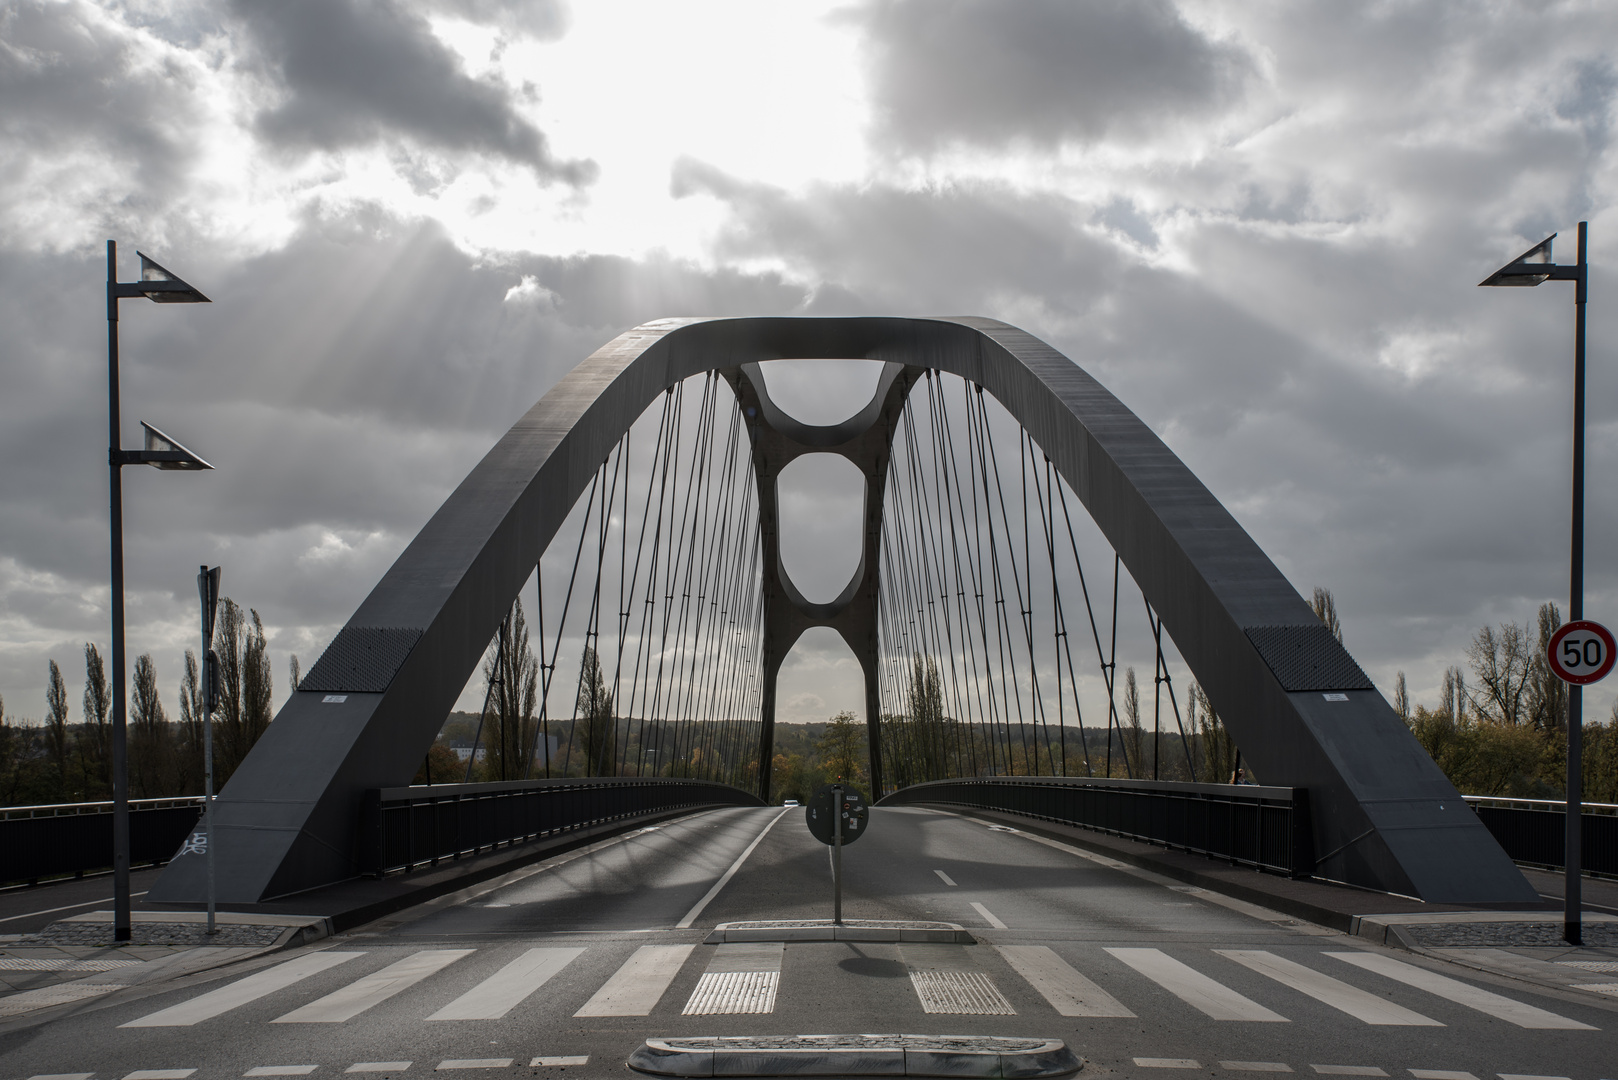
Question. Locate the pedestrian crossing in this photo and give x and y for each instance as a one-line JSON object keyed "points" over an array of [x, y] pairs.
{"points": [[736, 979]]}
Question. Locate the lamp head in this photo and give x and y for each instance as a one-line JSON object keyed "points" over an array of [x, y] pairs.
{"points": [[160, 286], [163, 452], [1520, 272]]}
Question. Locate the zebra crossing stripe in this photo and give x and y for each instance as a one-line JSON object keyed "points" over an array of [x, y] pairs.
{"points": [[1327, 990], [503, 991], [1212, 999], [373, 989], [242, 991], [1068, 992], [1473, 997], [637, 987]]}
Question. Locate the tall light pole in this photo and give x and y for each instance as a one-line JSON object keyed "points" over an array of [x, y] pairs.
{"points": [[1528, 269], [162, 452]]}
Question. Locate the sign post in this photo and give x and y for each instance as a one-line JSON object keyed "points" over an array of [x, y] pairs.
{"points": [[1580, 652], [208, 590], [836, 816]]}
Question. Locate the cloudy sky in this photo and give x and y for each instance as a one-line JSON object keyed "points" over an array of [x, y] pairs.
{"points": [[1260, 224]]}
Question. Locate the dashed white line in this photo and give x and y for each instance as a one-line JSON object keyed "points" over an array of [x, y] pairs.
{"points": [[1167, 1063], [378, 1066], [159, 1074], [281, 1070], [988, 916], [1258, 1066], [1348, 1070], [1441, 1074], [473, 1063], [560, 1062], [945, 878]]}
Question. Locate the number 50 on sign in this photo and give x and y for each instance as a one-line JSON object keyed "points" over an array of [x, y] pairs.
{"points": [[1581, 652]]}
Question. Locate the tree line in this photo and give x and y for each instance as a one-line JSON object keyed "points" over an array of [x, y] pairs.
{"points": [[63, 759]]}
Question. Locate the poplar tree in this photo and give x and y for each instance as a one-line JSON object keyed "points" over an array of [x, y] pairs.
{"points": [[56, 727]]}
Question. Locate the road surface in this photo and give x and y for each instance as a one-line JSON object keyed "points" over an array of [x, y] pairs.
{"points": [[566, 970]]}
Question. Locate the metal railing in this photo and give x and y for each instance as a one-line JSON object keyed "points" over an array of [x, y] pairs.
{"points": [[56, 840], [1531, 831], [1249, 825], [402, 828]]}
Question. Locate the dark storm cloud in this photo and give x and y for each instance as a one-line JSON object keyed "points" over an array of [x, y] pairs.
{"points": [[70, 82], [891, 249], [1044, 71], [356, 72]]}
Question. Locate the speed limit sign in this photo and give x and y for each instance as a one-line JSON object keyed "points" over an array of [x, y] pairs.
{"points": [[1581, 652]]}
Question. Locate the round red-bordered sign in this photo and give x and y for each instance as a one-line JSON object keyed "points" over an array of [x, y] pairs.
{"points": [[1581, 652]]}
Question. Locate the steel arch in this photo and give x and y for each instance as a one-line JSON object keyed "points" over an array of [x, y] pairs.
{"points": [[1298, 705]]}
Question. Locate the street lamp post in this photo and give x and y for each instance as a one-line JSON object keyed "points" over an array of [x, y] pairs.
{"points": [[1529, 269], [161, 452]]}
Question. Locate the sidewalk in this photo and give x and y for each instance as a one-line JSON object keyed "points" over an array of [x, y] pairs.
{"points": [[1525, 945], [74, 960]]}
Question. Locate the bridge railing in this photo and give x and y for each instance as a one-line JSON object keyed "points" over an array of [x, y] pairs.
{"points": [[1531, 831], [1245, 824], [406, 827], [62, 839]]}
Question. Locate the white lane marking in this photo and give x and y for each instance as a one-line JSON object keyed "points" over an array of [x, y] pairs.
{"points": [[215, 1002], [1212, 999], [1260, 1066], [1441, 1074], [68, 907], [637, 987], [473, 1063], [1528, 1076], [373, 989], [281, 1070], [1167, 1063], [1068, 992], [559, 1062], [1327, 990], [1348, 1070], [959, 993], [1473, 997], [691, 916], [988, 916], [734, 992], [159, 1074], [377, 1066], [61, 1076], [945, 878], [503, 991]]}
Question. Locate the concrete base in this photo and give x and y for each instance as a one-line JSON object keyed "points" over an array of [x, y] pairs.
{"points": [[855, 1055], [866, 930]]}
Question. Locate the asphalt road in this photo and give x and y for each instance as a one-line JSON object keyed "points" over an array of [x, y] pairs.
{"points": [[585, 957]]}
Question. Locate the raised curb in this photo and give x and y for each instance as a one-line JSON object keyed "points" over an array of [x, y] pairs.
{"points": [[855, 1055], [866, 930]]}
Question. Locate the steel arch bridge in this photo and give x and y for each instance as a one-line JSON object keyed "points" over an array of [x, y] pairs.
{"points": [[1302, 711]]}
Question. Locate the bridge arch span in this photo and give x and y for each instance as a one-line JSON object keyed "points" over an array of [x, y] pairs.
{"points": [[1303, 712]]}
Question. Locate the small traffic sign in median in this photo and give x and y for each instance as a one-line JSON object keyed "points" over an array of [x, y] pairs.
{"points": [[1581, 652]]}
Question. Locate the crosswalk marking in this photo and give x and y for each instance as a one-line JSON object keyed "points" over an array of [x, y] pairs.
{"points": [[242, 991], [1068, 992], [373, 989], [1260, 1066], [637, 987], [159, 1074], [1168, 1063], [559, 1062], [1212, 999], [1473, 997], [741, 978], [1348, 1070], [503, 991], [474, 1063], [281, 1070], [62, 1076], [1441, 1074], [378, 1066], [1327, 990]]}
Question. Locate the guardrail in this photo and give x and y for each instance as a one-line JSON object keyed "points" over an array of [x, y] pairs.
{"points": [[402, 828], [1532, 831], [38, 842], [1245, 824]]}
